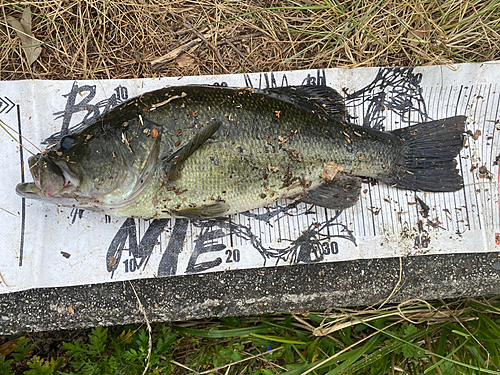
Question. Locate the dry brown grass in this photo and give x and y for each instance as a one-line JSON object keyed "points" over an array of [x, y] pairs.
{"points": [[125, 39]]}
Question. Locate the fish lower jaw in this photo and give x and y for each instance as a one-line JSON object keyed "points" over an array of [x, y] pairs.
{"points": [[32, 190], [29, 190]]}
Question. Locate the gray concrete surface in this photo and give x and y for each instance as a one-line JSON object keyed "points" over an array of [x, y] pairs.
{"points": [[257, 291]]}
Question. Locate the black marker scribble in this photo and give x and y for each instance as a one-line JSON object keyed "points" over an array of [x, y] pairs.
{"points": [[318, 80], [140, 251], [271, 80], [169, 260], [310, 247], [94, 111], [314, 243], [393, 89], [273, 212]]}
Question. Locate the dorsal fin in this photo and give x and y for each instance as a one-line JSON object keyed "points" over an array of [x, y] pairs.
{"points": [[172, 163], [322, 100]]}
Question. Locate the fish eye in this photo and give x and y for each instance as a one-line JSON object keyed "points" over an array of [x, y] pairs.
{"points": [[66, 142]]}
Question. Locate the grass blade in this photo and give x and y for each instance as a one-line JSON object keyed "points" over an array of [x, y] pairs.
{"points": [[217, 334]]}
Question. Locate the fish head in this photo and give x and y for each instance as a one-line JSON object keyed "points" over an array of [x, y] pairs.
{"points": [[90, 171], [49, 180]]}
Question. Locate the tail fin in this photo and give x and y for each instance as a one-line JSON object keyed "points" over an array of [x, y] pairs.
{"points": [[429, 151]]}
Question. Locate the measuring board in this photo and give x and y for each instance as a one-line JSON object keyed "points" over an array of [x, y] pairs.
{"points": [[49, 246]]}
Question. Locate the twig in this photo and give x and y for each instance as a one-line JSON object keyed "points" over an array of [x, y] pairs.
{"points": [[459, 321], [238, 38], [3, 280], [183, 366], [2, 124], [349, 347], [240, 361], [307, 325], [150, 342], [254, 68], [208, 43], [267, 361], [433, 358], [395, 289], [430, 308], [321, 331], [181, 49], [177, 51], [13, 214]]}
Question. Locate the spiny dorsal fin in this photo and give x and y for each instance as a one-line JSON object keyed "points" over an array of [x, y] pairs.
{"points": [[172, 163], [320, 99]]}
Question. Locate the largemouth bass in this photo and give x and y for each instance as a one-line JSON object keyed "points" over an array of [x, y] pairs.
{"points": [[206, 152]]}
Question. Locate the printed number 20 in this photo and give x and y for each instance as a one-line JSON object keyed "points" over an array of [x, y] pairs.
{"points": [[233, 256]]}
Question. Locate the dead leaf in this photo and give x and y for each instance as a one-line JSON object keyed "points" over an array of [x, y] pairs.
{"points": [[477, 134], [28, 40], [185, 61], [8, 347], [71, 309], [330, 169], [112, 261], [273, 169], [421, 34]]}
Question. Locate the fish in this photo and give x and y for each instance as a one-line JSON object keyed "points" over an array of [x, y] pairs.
{"points": [[203, 152]]}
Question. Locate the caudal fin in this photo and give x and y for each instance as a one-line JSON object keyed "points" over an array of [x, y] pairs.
{"points": [[429, 151]]}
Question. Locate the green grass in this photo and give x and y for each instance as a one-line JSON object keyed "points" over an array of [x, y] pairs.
{"points": [[442, 338]]}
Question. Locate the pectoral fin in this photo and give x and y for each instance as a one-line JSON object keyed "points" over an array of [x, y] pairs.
{"points": [[340, 193], [208, 211], [148, 170], [173, 163]]}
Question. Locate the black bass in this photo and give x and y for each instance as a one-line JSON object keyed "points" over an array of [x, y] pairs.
{"points": [[206, 151]]}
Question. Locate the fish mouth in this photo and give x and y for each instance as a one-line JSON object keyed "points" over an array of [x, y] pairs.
{"points": [[28, 190], [50, 180]]}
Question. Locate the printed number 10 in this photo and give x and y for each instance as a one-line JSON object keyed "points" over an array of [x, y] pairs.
{"points": [[130, 265], [121, 93]]}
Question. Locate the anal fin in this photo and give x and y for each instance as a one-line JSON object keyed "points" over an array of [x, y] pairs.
{"points": [[340, 193]]}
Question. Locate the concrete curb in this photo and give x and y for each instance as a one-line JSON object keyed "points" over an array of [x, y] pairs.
{"points": [[250, 292]]}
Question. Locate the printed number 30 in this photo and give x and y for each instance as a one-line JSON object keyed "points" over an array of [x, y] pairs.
{"points": [[233, 256]]}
